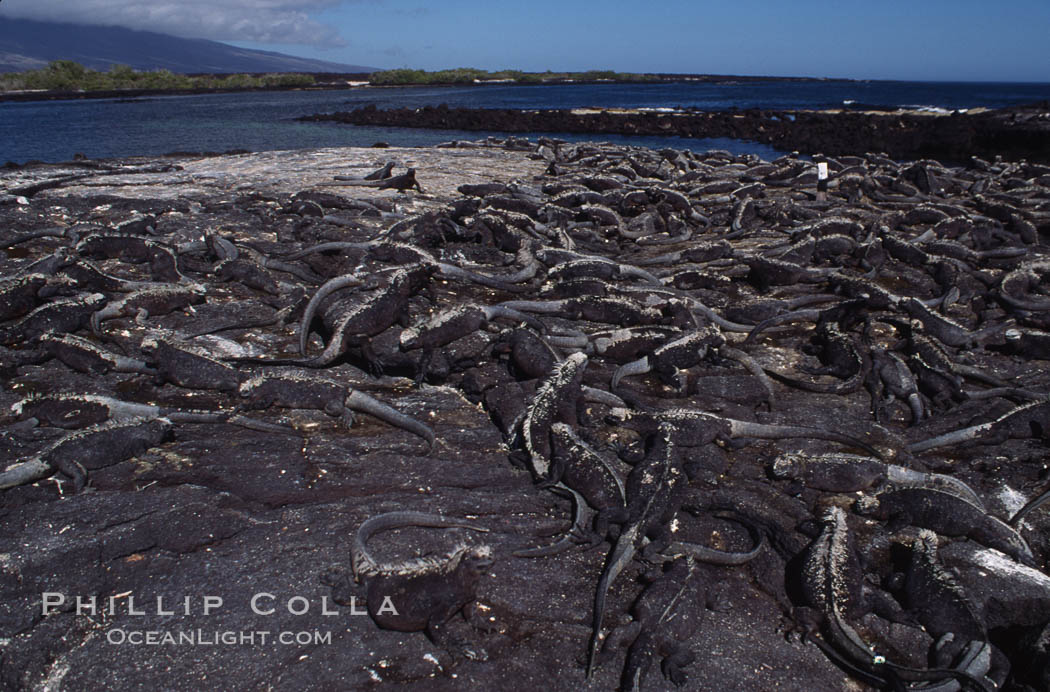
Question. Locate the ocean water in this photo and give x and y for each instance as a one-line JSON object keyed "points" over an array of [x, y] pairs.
{"points": [[54, 131]]}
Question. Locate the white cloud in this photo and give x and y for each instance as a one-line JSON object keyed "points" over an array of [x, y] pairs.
{"points": [[262, 21]]}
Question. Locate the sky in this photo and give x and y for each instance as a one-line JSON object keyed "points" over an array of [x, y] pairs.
{"points": [[957, 40]]}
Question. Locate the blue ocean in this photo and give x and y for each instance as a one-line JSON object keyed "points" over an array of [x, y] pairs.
{"points": [[54, 131]]}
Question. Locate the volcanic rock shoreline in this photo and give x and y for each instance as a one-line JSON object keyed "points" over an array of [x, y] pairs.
{"points": [[211, 540], [1021, 132]]}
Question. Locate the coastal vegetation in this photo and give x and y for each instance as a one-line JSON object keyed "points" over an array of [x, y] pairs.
{"points": [[66, 75], [469, 75]]}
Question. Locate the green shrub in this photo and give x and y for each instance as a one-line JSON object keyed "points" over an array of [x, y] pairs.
{"points": [[66, 75], [402, 76]]}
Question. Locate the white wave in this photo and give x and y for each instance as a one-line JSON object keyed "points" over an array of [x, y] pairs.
{"points": [[922, 108]]}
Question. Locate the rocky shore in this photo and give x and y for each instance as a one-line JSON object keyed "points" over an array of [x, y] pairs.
{"points": [[1013, 133], [217, 368]]}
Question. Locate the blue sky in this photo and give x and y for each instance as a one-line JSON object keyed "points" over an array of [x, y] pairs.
{"points": [[918, 39], [971, 40]]}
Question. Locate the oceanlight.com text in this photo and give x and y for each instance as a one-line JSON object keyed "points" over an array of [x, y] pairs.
{"points": [[200, 637]]}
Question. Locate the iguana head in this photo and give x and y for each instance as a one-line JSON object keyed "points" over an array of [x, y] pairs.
{"points": [[477, 558]]}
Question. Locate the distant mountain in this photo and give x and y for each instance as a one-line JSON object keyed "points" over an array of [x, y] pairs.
{"points": [[29, 45]]}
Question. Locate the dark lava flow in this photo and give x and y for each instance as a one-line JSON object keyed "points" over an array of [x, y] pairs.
{"points": [[1021, 132], [794, 432]]}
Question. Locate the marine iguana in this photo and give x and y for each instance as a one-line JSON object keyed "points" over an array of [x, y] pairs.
{"points": [[277, 317], [13, 358], [948, 331], [89, 449], [70, 232], [245, 263], [947, 513], [891, 376], [381, 173], [618, 311], [451, 325], [904, 251], [845, 313], [630, 343], [934, 355], [836, 351], [593, 484], [766, 272], [246, 273], [836, 248], [326, 289], [185, 368], [754, 311], [387, 251], [358, 321], [163, 263], [402, 183], [841, 357], [642, 226], [828, 226], [420, 594], [85, 356], [220, 247], [48, 265], [597, 267], [875, 296], [671, 357], [665, 616], [20, 295], [59, 316], [74, 411], [1015, 287], [955, 250], [1026, 421], [289, 390], [831, 584], [846, 473], [482, 189], [150, 301], [655, 490], [89, 276], [124, 246], [691, 428], [531, 356], [940, 386], [690, 277], [392, 252], [555, 401], [743, 216], [699, 252], [939, 601], [1028, 343]]}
